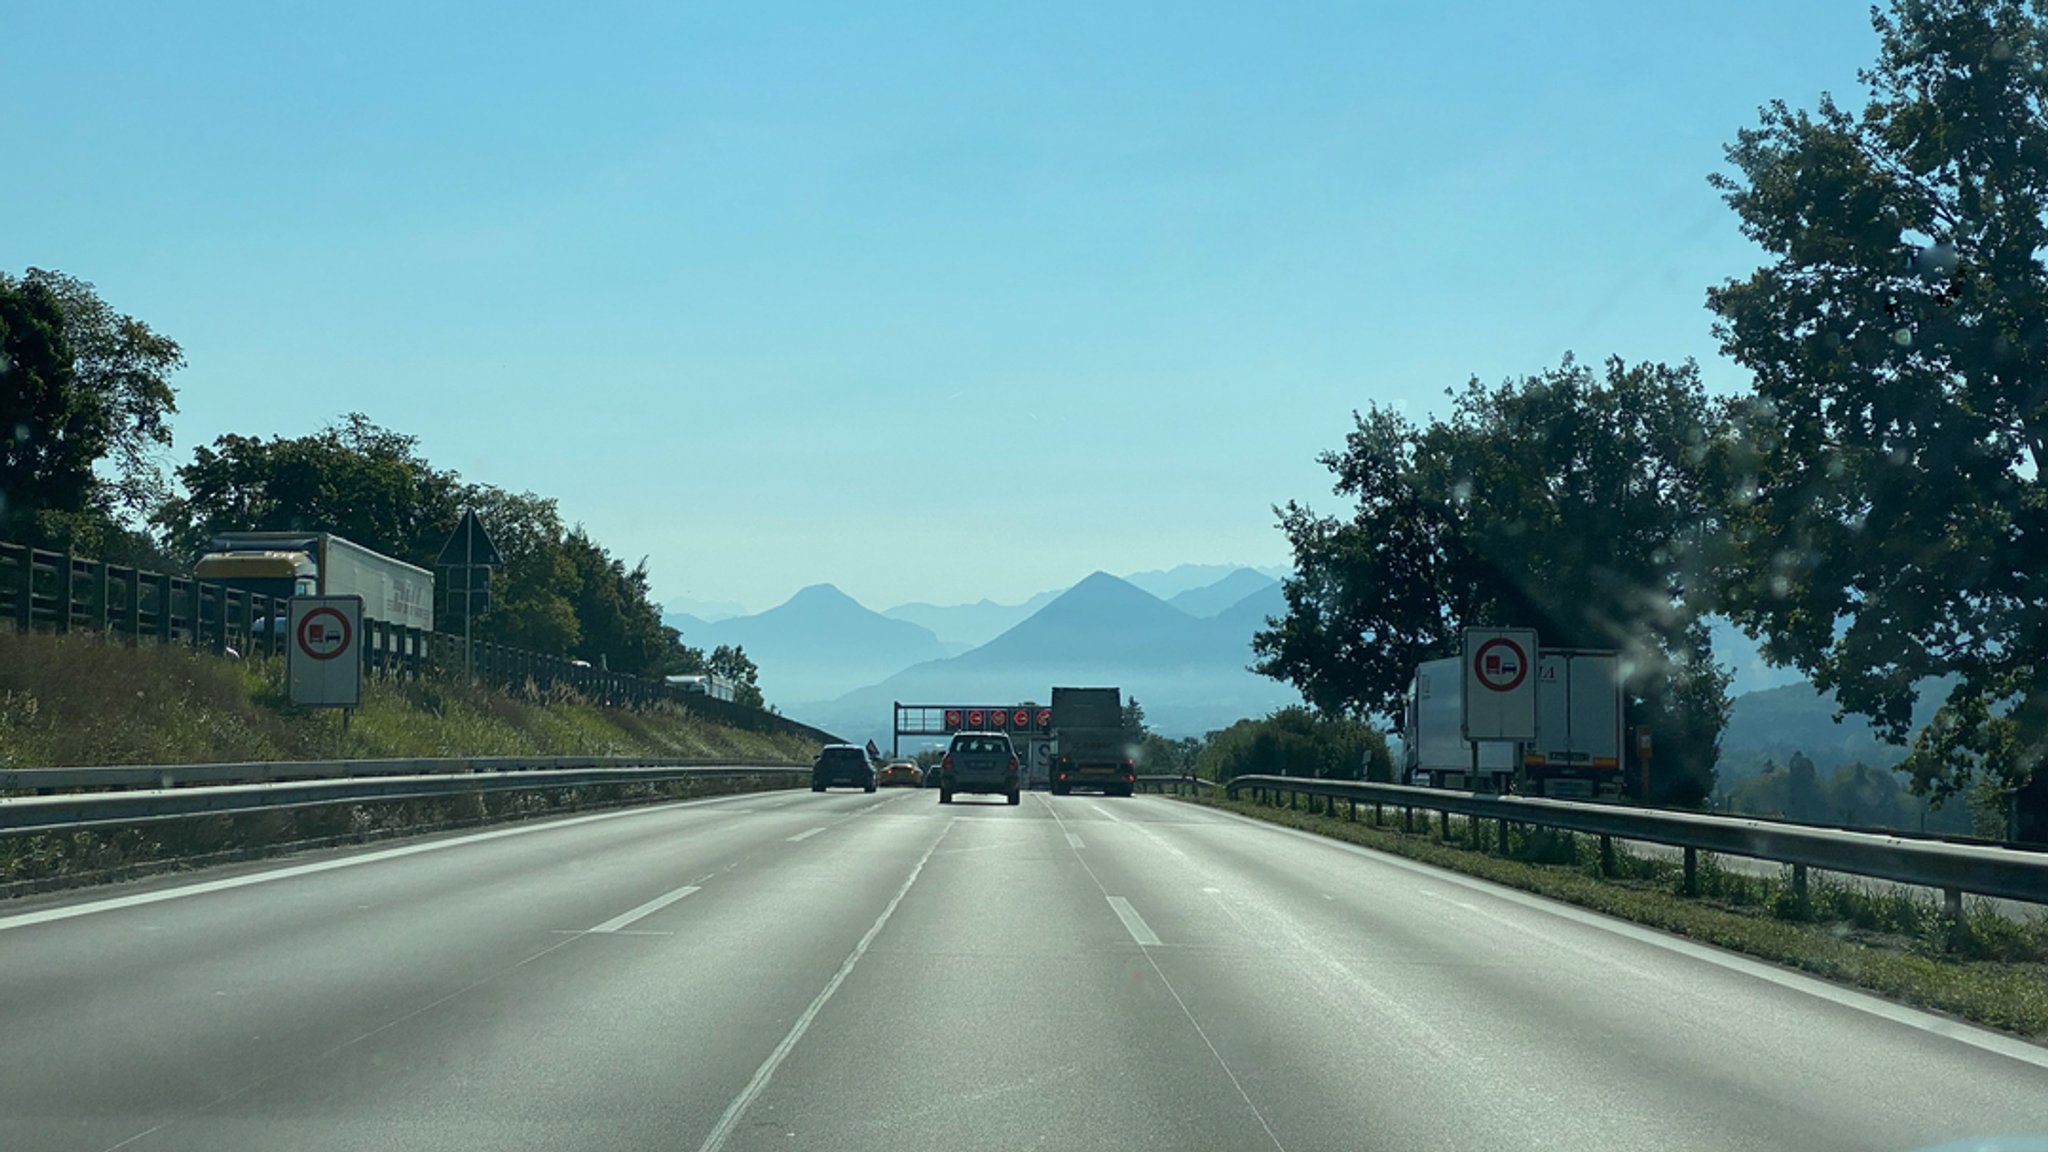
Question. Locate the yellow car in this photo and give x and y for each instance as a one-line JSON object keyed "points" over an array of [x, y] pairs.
{"points": [[900, 774]]}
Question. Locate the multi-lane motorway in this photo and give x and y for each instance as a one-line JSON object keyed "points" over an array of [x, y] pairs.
{"points": [[793, 971]]}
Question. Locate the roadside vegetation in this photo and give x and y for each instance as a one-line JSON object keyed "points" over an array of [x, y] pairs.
{"points": [[1868, 506], [1989, 969], [82, 700]]}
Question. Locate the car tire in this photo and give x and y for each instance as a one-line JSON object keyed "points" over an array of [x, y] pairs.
{"points": [[1015, 797], [945, 795], [817, 787], [869, 787]]}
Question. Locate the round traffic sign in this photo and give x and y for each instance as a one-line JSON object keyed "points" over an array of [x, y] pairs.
{"points": [[1500, 664], [998, 717], [974, 718], [1045, 718], [324, 633], [952, 717], [1022, 719]]}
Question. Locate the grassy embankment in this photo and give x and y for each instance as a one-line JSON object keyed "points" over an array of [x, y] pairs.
{"points": [[79, 700], [1989, 969]]}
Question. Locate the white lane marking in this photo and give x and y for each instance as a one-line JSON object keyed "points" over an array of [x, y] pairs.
{"points": [[1133, 923], [806, 834], [1073, 841], [1113, 817], [114, 903], [1185, 1011], [1970, 1034], [740, 1103], [647, 909], [586, 932]]}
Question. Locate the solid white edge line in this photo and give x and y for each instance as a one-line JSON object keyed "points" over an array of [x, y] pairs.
{"points": [[1133, 923], [1981, 1038], [115, 903], [721, 1131], [806, 834], [647, 909]]}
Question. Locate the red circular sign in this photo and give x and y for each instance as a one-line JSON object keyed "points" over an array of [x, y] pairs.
{"points": [[1022, 719], [974, 718], [953, 718], [324, 633], [1045, 717], [1501, 665], [998, 717]]}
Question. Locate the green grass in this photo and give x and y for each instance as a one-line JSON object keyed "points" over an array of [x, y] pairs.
{"points": [[81, 700], [1990, 970]]}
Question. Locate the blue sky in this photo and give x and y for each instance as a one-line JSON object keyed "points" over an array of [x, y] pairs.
{"points": [[928, 301]]}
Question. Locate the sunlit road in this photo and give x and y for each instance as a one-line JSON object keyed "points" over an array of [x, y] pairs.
{"points": [[794, 971]]}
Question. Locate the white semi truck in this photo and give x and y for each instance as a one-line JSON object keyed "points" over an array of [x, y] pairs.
{"points": [[1578, 745], [285, 564]]}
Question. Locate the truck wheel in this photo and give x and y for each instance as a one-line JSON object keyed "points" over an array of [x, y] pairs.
{"points": [[817, 787], [1015, 797]]}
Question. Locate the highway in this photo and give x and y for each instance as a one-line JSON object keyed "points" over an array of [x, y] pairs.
{"points": [[876, 972]]}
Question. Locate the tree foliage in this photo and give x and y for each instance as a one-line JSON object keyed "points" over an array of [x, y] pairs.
{"points": [[1892, 517], [732, 662], [1573, 502], [85, 401], [1296, 742], [559, 591]]}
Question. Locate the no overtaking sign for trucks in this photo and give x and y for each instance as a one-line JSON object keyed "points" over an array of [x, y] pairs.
{"points": [[1500, 692], [324, 667]]}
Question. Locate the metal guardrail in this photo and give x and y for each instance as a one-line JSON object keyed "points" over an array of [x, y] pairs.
{"points": [[2005, 872], [1176, 785], [381, 780], [266, 772]]}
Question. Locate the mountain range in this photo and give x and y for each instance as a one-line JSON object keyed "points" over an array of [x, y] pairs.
{"points": [[1189, 672], [829, 660]]}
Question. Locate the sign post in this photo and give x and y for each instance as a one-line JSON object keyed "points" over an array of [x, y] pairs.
{"points": [[468, 558], [1499, 700], [324, 666]]}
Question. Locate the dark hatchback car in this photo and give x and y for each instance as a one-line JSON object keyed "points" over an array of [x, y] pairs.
{"points": [[982, 762], [842, 765]]}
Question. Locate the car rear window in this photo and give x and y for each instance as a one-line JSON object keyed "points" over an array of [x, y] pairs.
{"points": [[834, 754], [982, 744]]}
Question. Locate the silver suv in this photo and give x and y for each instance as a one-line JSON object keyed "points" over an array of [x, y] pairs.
{"points": [[979, 762]]}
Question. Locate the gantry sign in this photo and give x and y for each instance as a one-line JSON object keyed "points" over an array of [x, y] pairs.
{"points": [[1027, 719]]}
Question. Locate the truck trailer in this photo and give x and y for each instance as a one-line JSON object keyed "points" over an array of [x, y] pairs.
{"points": [[285, 564], [1091, 747], [1577, 750]]}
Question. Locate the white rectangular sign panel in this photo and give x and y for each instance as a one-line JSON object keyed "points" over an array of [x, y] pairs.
{"points": [[324, 664], [1500, 684]]}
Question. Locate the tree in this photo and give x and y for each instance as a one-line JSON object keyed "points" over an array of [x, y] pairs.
{"points": [[81, 387], [1295, 742], [1134, 716], [356, 479], [125, 368], [732, 662], [53, 432], [1572, 502], [1892, 514]]}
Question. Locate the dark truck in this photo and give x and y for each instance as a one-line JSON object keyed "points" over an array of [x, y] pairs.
{"points": [[1091, 748]]}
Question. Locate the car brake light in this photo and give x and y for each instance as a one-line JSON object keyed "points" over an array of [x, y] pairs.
{"points": [[1013, 763], [947, 763]]}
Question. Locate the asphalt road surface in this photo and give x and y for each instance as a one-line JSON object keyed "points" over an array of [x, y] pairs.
{"points": [[793, 971]]}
